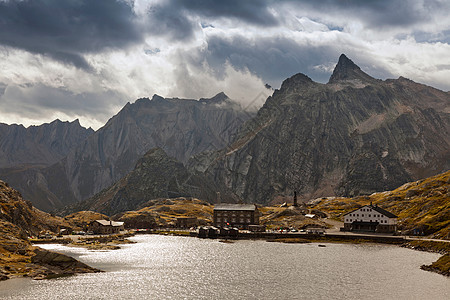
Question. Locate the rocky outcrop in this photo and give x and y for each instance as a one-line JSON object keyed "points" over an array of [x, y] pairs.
{"points": [[53, 264], [156, 175], [355, 135], [18, 220]]}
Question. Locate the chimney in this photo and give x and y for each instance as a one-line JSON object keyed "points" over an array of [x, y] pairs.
{"points": [[295, 198], [218, 197]]}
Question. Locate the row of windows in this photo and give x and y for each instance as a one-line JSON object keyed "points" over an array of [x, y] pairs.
{"points": [[233, 220], [351, 220], [369, 215], [233, 214]]}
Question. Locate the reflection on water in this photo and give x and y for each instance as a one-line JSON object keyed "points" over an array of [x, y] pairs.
{"points": [[164, 267]]}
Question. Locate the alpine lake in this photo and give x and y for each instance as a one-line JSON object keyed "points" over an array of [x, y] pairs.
{"points": [[171, 267]]}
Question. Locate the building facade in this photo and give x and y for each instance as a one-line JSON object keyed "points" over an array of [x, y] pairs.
{"points": [[235, 215], [106, 227], [370, 218], [186, 222]]}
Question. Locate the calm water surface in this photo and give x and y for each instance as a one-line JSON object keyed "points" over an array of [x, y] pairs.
{"points": [[164, 267]]}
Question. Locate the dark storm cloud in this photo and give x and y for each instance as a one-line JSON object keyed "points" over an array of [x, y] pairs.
{"points": [[37, 100], [65, 30], [250, 11], [372, 13], [174, 18], [379, 13]]}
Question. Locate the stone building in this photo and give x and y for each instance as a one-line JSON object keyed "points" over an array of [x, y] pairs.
{"points": [[105, 227], [235, 215], [186, 222]]}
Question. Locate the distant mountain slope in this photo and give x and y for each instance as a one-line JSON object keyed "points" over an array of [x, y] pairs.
{"points": [[355, 135], [156, 175], [44, 145], [422, 206], [181, 127], [26, 155]]}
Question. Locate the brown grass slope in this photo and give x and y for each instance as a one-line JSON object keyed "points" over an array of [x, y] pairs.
{"points": [[423, 205], [164, 212]]}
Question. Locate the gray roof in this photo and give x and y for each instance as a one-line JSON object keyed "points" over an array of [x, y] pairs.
{"points": [[384, 212], [233, 206], [109, 223]]}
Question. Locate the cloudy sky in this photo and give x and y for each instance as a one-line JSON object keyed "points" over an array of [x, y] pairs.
{"points": [[86, 59]]}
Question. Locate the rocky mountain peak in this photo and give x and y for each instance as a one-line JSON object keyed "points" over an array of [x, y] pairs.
{"points": [[220, 97], [347, 70], [296, 81], [158, 98], [336, 139]]}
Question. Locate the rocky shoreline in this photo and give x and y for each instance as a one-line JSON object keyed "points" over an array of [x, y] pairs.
{"points": [[37, 263], [43, 264], [106, 242], [442, 265]]}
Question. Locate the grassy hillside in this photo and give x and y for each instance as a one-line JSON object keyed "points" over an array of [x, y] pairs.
{"points": [[276, 217], [164, 212], [423, 205]]}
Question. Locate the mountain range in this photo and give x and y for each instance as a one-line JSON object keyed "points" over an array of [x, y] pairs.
{"points": [[181, 127], [39, 145], [354, 135]]}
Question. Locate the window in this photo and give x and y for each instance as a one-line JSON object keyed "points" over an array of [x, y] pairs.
{"points": [[362, 215], [241, 220], [218, 219], [369, 216], [248, 220]]}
